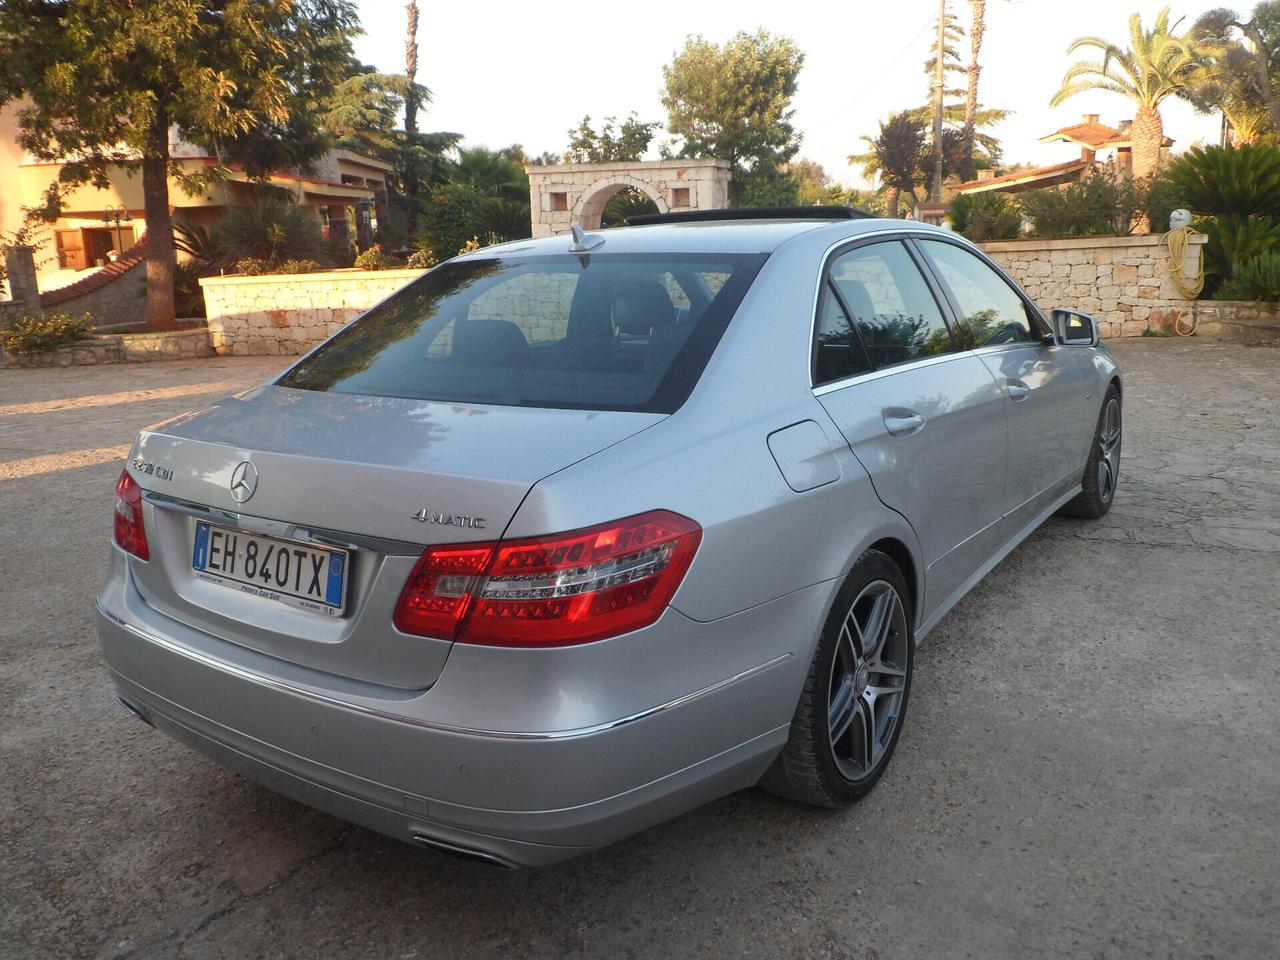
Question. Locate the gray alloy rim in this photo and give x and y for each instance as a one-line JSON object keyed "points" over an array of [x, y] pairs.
{"points": [[868, 680], [1109, 446]]}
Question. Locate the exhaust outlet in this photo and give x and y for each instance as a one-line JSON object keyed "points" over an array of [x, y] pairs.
{"points": [[135, 711], [465, 853]]}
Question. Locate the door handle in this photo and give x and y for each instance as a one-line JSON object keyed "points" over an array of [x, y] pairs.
{"points": [[904, 426], [1017, 389]]}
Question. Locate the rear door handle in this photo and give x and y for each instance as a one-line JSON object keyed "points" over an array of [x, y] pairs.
{"points": [[904, 426], [1017, 389]]}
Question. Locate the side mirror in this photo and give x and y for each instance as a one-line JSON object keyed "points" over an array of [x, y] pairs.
{"points": [[1072, 328]]}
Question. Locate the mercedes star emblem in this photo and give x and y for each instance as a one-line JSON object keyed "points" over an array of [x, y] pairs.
{"points": [[244, 480]]}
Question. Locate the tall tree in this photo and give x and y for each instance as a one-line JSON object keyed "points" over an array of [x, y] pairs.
{"points": [[896, 155], [1158, 64], [411, 101], [977, 29], [613, 142], [733, 102], [106, 82], [1245, 71]]}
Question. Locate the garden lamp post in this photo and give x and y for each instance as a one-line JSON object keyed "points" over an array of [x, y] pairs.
{"points": [[364, 223], [117, 215]]}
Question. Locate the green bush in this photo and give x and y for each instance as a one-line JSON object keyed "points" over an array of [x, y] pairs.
{"points": [[1257, 278], [451, 218], [1229, 181], [1098, 205], [251, 267], [985, 216], [373, 259], [298, 266], [271, 231], [1235, 240], [33, 334]]}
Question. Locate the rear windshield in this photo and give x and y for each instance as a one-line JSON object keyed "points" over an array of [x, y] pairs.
{"points": [[597, 331]]}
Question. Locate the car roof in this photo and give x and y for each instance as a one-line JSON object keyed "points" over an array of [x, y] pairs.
{"points": [[717, 236]]}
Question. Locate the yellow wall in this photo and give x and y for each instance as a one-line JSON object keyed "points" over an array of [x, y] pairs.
{"points": [[10, 157]]}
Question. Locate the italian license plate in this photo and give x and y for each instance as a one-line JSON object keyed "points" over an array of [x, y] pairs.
{"points": [[299, 574]]}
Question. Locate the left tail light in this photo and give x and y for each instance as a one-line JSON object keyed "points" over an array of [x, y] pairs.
{"points": [[131, 535], [551, 591]]}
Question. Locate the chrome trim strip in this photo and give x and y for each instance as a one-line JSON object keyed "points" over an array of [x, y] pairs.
{"points": [[295, 690], [283, 529], [834, 385]]}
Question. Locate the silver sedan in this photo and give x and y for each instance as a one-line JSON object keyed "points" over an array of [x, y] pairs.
{"points": [[571, 535]]}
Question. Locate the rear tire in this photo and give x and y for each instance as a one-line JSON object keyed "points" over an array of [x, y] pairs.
{"points": [[1102, 472], [854, 702]]}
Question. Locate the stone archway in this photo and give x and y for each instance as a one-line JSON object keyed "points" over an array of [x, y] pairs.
{"points": [[588, 212], [569, 193]]}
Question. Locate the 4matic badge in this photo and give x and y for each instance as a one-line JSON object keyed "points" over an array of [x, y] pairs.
{"points": [[449, 519]]}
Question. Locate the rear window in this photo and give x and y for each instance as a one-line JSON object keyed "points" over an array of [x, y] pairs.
{"points": [[598, 331]]}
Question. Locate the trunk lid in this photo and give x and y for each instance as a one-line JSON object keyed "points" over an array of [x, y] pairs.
{"points": [[379, 476]]}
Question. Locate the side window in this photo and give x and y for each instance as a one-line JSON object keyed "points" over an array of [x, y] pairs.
{"points": [[893, 311], [838, 352], [992, 311]]}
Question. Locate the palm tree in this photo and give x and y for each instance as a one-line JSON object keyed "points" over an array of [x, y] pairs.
{"points": [[1156, 66], [977, 27]]}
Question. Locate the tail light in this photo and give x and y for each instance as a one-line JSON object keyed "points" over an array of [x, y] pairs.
{"points": [[551, 591], [131, 535]]}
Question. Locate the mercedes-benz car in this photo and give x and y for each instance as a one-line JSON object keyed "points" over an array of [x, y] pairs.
{"points": [[571, 535]]}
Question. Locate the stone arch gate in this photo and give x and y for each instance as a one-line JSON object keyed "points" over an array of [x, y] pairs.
{"points": [[569, 193]]}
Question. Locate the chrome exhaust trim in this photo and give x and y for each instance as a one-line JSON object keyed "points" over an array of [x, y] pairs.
{"points": [[135, 711], [466, 853]]}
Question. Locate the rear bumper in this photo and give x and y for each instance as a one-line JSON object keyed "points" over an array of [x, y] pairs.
{"points": [[401, 767]]}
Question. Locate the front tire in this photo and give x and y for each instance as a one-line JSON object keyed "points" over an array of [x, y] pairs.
{"points": [[854, 702], [1102, 472]]}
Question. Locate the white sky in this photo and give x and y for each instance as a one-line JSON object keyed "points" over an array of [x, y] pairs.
{"points": [[505, 72]]}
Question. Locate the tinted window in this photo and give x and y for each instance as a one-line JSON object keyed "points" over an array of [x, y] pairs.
{"points": [[893, 311], [839, 352], [620, 332], [992, 310]]}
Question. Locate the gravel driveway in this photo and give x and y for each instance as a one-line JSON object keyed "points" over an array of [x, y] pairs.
{"points": [[1091, 767]]}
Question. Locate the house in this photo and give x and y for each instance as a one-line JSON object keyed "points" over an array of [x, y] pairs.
{"points": [[98, 225], [1091, 136]]}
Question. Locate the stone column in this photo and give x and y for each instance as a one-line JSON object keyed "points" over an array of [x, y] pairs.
{"points": [[20, 265]]}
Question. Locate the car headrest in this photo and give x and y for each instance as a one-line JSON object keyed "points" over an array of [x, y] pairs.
{"points": [[642, 307], [490, 342], [855, 294]]}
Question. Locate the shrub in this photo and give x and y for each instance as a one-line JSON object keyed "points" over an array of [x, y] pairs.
{"points": [[270, 230], [985, 216], [298, 266], [188, 298], [1234, 240], [373, 259], [33, 334], [1100, 204], [1257, 278], [421, 259], [1229, 181], [451, 217], [251, 267], [470, 245]]}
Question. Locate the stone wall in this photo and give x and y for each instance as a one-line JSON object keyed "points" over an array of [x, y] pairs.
{"points": [[121, 348], [1123, 281], [288, 314], [1239, 321], [115, 294]]}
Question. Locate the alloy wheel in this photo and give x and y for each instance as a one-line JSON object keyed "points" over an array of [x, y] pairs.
{"points": [[868, 680], [1109, 450]]}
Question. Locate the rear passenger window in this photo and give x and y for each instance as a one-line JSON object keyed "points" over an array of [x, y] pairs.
{"points": [[992, 312], [894, 316]]}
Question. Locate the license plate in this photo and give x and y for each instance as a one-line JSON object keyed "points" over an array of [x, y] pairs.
{"points": [[299, 574]]}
